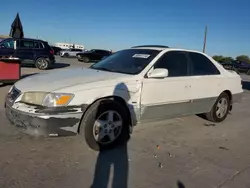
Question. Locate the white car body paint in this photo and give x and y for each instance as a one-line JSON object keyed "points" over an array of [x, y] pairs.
{"points": [[139, 92], [89, 85]]}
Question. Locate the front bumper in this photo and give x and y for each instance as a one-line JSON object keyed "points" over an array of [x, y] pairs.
{"points": [[51, 123]]}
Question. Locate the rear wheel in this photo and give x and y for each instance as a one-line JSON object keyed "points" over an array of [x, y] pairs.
{"points": [[66, 55], [105, 125], [85, 59], [42, 64], [248, 72], [220, 109]]}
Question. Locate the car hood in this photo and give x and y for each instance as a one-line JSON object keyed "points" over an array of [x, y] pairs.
{"points": [[59, 79], [87, 52]]}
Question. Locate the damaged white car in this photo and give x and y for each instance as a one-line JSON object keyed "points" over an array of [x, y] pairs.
{"points": [[102, 103]]}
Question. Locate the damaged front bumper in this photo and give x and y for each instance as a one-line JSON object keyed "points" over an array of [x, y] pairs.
{"points": [[36, 121]]}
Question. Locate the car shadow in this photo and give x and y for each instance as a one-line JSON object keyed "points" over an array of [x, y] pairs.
{"points": [[202, 116], [70, 57], [116, 158], [245, 85], [59, 65], [27, 75], [53, 66]]}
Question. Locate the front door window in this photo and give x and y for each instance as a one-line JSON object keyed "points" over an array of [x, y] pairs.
{"points": [[9, 44], [176, 62]]}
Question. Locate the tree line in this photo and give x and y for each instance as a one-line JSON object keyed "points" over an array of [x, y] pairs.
{"points": [[225, 59]]}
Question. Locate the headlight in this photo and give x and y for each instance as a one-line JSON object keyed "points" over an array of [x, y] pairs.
{"points": [[11, 88], [57, 99], [47, 99]]}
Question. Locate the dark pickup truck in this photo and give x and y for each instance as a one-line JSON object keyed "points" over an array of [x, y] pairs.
{"points": [[238, 66]]}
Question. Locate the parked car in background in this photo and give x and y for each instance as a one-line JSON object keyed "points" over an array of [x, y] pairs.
{"points": [[238, 66], [29, 51], [93, 55], [70, 52], [56, 50], [103, 103]]}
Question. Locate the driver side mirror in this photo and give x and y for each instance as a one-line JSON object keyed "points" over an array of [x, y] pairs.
{"points": [[158, 73]]}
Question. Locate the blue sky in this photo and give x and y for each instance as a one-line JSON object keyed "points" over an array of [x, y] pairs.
{"points": [[119, 24]]}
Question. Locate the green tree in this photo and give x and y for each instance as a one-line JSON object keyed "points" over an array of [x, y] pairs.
{"points": [[243, 58], [218, 58], [228, 59], [222, 59]]}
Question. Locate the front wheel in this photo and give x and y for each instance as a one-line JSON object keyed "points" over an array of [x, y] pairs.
{"points": [[220, 109], [42, 64], [105, 125]]}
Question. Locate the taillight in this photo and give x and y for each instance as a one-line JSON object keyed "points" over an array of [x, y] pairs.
{"points": [[51, 52]]}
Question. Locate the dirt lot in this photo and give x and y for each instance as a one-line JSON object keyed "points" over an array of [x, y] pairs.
{"points": [[191, 153]]}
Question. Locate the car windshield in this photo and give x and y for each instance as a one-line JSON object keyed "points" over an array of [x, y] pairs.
{"points": [[131, 61]]}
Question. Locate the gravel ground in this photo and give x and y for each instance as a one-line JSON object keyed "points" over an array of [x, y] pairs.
{"points": [[183, 152]]}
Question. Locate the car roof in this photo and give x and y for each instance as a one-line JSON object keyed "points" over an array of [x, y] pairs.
{"points": [[157, 46], [39, 40], [100, 49], [166, 49]]}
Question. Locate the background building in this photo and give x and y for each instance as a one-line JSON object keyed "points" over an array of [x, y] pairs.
{"points": [[68, 45], [4, 36]]}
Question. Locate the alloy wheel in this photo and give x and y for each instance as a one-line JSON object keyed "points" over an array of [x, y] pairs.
{"points": [[107, 127]]}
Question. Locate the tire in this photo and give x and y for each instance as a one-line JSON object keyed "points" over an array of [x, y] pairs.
{"points": [[66, 55], [98, 110], [213, 116], [42, 64], [80, 60], [85, 59], [248, 72]]}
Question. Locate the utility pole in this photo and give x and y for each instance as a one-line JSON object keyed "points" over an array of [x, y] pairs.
{"points": [[205, 40]]}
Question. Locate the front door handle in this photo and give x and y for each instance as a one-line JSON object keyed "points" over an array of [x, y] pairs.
{"points": [[188, 86]]}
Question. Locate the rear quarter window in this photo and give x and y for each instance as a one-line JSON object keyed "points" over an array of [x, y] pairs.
{"points": [[45, 45], [41, 45]]}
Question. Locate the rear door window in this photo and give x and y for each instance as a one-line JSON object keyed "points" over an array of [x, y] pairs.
{"points": [[201, 65], [27, 44], [36, 45]]}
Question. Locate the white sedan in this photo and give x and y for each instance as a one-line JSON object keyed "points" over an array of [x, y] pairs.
{"points": [[102, 103]]}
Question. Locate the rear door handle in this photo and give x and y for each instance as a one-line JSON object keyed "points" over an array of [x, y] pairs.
{"points": [[188, 86]]}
